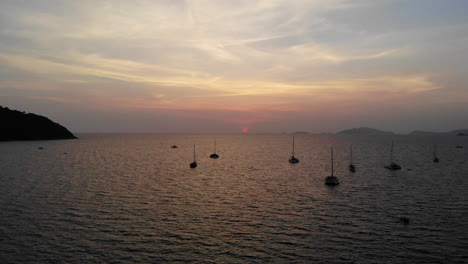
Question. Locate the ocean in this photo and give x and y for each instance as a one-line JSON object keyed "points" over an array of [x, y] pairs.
{"points": [[130, 198]]}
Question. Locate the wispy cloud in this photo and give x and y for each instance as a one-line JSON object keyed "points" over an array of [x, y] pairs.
{"points": [[252, 56]]}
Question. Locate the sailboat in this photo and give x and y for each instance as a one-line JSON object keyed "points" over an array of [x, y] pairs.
{"points": [[332, 180], [214, 155], [293, 159], [194, 163], [436, 159], [174, 146], [352, 168], [392, 165]]}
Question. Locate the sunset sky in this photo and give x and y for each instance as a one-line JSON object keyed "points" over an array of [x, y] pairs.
{"points": [[224, 66]]}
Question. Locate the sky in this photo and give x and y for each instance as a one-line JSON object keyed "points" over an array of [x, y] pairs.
{"points": [[219, 66]]}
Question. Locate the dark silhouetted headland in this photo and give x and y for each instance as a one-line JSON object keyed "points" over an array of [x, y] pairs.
{"points": [[364, 131], [16, 125]]}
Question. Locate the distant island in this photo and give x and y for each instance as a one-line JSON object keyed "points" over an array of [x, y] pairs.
{"points": [[364, 131], [457, 132], [373, 131], [18, 125]]}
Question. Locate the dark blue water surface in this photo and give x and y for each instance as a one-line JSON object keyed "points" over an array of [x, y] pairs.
{"points": [[133, 199]]}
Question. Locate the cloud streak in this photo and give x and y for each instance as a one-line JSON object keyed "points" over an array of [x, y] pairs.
{"points": [[252, 57]]}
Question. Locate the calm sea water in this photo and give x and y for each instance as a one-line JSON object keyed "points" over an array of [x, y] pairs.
{"points": [[133, 199]]}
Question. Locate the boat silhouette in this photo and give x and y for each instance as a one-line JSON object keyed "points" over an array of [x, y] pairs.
{"points": [[435, 159], [293, 159], [214, 155], [332, 180], [352, 168], [194, 163], [392, 165]]}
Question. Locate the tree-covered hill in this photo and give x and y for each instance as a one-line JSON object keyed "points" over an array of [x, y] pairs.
{"points": [[17, 125]]}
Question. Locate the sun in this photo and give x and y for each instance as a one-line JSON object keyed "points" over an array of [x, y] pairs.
{"points": [[245, 130]]}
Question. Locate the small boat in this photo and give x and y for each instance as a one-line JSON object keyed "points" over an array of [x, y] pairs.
{"points": [[435, 159], [352, 168], [214, 155], [392, 165], [174, 146], [459, 146], [194, 163], [293, 159], [404, 220], [332, 179]]}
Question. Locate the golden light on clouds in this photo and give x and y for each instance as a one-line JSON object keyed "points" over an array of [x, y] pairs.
{"points": [[249, 58]]}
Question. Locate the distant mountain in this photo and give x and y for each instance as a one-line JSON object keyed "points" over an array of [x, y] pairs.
{"points": [[422, 133], [301, 132], [457, 132], [364, 131], [18, 125]]}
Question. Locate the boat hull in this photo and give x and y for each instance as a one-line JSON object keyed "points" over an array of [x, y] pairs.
{"points": [[393, 166], [293, 160], [332, 181]]}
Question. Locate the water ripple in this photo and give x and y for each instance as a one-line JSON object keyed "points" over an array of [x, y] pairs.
{"points": [[132, 199]]}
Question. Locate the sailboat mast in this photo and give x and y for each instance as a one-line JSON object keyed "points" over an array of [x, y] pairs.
{"points": [[332, 161], [193, 152], [293, 147], [391, 153]]}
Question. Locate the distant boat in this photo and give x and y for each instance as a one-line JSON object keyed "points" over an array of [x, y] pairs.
{"points": [[194, 163], [332, 180], [174, 146], [214, 155], [459, 146], [404, 220], [293, 159], [352, 168], [436, 159], [392, 165]]}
